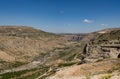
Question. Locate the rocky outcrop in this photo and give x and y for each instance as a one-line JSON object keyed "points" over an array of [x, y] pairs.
{"points": [[103, 49]]}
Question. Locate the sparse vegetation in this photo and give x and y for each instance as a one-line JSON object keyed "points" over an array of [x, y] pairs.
{"points": [[19, 75], [12, 74], [66, 64], [17, 64], [107, 76]]}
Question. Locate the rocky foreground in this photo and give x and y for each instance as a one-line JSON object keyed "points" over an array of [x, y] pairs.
{"points": [[107, 69]]}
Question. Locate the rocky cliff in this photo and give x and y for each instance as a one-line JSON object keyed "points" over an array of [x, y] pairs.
{"points": [[104, 46]]}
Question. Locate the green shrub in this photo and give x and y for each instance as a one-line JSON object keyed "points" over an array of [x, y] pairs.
{"points": [[66, 64], [107, 76]]}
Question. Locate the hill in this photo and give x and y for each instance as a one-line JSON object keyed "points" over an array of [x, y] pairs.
{"points": [[29, 53], [19, 45]]}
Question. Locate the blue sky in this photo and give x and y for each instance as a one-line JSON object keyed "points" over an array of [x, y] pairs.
{"points": [[58, 16]]}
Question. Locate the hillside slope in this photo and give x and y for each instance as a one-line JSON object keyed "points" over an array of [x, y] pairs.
{"points": [[22, 44], [29, 53], [98, 70]]}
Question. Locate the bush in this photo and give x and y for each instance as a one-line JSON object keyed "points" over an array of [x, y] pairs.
{"points": [[66, 64], [107, 76]]}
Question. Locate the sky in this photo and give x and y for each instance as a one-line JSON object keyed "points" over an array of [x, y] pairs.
{"points": [[61, 16]]}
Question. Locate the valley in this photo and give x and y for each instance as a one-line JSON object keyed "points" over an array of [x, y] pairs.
{"points": [[29, 53]]}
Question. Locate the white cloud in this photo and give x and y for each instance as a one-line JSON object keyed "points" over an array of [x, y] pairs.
{"points": [[104, 24], [87, 21]]}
